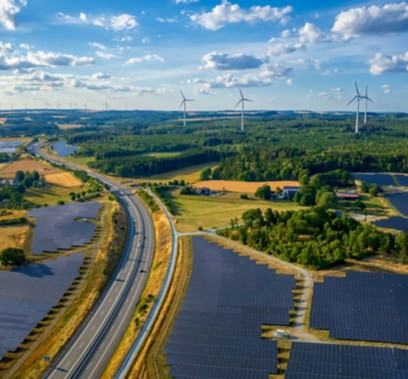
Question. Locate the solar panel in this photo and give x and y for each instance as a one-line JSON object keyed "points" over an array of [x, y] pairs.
{"points": [[402, 180], [362, 306], [217, 333], [375, 178], [68, 227], [400, 201], [27, 294], [329, 361]]}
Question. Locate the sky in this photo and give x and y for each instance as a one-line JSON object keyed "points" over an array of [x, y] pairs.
{"points": [[139, 54]]}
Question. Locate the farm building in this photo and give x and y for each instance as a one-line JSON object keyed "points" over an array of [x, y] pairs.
{"points": [[347, 195], [289, 191]]}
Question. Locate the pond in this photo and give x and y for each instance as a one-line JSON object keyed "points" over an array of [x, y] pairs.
{"points": [[63, 149]]}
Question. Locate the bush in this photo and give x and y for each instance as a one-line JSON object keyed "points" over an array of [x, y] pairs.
{"points": [[12, 257]]}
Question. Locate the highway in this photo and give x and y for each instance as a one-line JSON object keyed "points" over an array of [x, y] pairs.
{"points": [[89, 350]]}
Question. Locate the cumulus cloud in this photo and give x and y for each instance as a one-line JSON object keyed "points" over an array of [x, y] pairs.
{"points": [[41, 59], [146, 58], [223, 61], [104, 55], [8, 10], [278, 48], [117, 23], [186, 1], [381, 64], [386, 88], [385, 19], [264, 77], [227, 13], [310, 33]]}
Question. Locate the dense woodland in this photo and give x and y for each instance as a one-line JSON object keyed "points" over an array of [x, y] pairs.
{"points": [[315, 237]]}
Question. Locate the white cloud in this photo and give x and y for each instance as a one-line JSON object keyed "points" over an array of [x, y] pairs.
{"points": [[278, 48], [310, 33], [97, 45], [186, 1], [385, 19], [386, 88], [381, 64], [227, 13], [286, 33], [41, 59], [146, 58], [223, 61], [104, 55], [117, 23], [8, 10]]}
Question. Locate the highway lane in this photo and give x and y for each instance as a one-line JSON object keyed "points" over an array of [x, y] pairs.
{"points": [[88, 352]]}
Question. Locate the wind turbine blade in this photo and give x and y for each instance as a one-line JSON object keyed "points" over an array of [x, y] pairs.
{"points": [[239, 102], [182, 95], [242, 96], [355, 97], [358, 93], [182, 103], [248, 100]]}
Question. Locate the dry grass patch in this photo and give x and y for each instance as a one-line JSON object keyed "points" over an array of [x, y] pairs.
{"points": [[13, 236], [63, 179], [154, 283], [28, 164], [70, 126], [244, 187]]}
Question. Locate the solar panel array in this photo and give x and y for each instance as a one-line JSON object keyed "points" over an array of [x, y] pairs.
{"points": [[363, 306], [217, 333], [27, 294], [328, 361], [400, 201], [64, 231], [375, 178], [398, 223], [402, 180]]}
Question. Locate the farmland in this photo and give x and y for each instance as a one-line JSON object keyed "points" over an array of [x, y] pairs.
{"points": [[192, 212], [243, 187], [28, 164]]}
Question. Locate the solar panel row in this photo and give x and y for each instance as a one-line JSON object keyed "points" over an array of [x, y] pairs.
{"points": [[27, 294], [362, 306], [217, 331], [310, 360]]}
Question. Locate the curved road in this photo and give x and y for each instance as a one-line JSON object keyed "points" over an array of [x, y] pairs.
{"points": [[91, 347]]}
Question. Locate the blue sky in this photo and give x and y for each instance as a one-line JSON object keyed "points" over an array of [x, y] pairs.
{"points": [[139, 54]]}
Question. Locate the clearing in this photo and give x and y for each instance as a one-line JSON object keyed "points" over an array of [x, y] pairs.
{"points": [[28, 164], [63, 179], [69, 126], [243, 187], [193, 211], [13, 236]]}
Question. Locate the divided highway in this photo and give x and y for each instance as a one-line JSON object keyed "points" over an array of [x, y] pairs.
{"points": [[89, 350]]}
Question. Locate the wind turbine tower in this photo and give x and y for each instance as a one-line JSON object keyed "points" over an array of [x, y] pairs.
{"points": [[367, 99], [242, 102], [357, 97], [184, 105]]}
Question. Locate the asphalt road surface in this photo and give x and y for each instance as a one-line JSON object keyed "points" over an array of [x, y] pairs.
{"points": [[91, 347]]}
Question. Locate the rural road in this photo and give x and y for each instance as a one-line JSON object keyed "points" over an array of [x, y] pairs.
{"points": [[91, 347]]}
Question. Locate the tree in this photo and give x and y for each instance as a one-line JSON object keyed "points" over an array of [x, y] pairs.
{"points": [[12, 257], [205, 174], [364, 187], [325, 199], [264, 192], [373, 189], [401, 242], [19, 176]]}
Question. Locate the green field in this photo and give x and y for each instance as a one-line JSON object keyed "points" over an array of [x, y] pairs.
{"points": [[165, 154], [80, 160], [51, 194], [192, 211]]}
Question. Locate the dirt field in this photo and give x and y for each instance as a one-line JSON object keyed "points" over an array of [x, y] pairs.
{"points": [[69, 126], [246, 187], [63, 179], [13, 236], [27, 164]]}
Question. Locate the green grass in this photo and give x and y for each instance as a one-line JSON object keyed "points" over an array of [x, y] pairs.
{"points": [[80, 160], [50, 194], [189, 174], [165, 154], [194, 211]]}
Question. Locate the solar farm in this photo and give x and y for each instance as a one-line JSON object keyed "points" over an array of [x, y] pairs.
{"points": [[402, 180], [400, 201], [362, 307], [375, 178], [217, 333], [69, 226], [396, 222], [328, 361], [28, 294]]}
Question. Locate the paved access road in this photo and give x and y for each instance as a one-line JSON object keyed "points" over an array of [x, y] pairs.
{"points": [[88, 352]]}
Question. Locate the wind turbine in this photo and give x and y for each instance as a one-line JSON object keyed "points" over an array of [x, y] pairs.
{"points": [[366, 105], [358, 97], [183, 103], [242, 101]]}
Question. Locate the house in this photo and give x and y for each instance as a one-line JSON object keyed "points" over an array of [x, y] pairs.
{"points": [[347, 195], [289, 191]]}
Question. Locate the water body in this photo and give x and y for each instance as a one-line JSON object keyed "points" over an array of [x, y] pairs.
{"points": [[9, 146], [63, 149]]}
